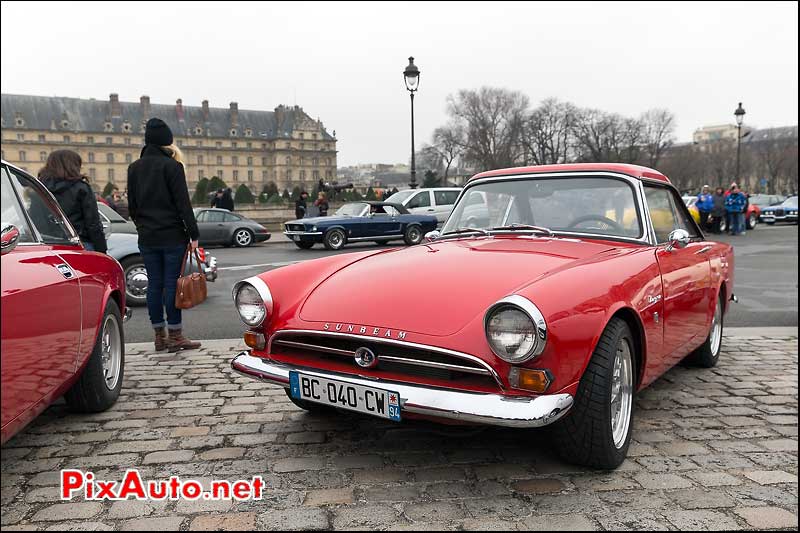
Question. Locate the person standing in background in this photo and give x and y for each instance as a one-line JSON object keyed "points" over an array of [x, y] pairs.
{"points": [[322, 204], [735, 205], [159, 205], [718, 212], [300, 206], [227, 200], [62, 177], [705, 205]]}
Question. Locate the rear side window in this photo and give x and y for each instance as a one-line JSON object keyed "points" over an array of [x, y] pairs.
{"points": [[232, 218], [11, 213], [52, 228], [422, 199], [445, 197]]}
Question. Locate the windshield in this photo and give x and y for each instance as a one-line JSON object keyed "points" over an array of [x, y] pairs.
{"points": [[400, 197], [594, 205], [790, 202], [351, 210]]}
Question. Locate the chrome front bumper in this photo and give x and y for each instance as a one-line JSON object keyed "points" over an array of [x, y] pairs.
{"points": [[480, 408]]}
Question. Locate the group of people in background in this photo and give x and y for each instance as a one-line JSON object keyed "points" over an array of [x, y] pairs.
{"points": [[730, 206], [223, 199], [301, 205], [157, 200]]}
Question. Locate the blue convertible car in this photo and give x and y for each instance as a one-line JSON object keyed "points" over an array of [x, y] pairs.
{"points": [[361, 221]]}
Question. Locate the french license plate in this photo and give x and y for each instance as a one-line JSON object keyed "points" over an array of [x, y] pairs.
{"points": [[367, 400]]}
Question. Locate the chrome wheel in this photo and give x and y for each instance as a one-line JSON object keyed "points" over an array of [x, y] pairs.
{"points": [[753, 221], [243, 238], [715, 337], [136, 282], [335, 239], [111, 351], [414, 235], [621, 393]]}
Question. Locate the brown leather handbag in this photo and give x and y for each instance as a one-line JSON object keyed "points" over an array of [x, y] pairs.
{"points": [[191, 288]]}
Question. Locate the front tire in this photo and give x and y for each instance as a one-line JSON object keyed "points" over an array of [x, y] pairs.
{"points": [[99, 385], [242, 238], [135, 280], [752, 221], [597, 431], [335, 239], [413, 235], [707, 355], [304, 245]]}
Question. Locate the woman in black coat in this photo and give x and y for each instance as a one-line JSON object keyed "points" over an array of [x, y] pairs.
{"points": [[62, 177]]}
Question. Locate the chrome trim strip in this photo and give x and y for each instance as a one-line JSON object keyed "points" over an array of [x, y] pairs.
{"points": [[433, 364], [290, 233], [443, 351], [481, 408], [263, 291], [316, 348], [378, 238], [535, 315]]}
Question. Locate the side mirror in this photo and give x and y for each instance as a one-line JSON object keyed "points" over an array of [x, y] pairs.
{"points": [[432, 235], [678, 238], [9, 239]]}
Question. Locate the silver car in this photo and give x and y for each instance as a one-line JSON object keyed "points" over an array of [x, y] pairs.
{"points": [[220, 226]]}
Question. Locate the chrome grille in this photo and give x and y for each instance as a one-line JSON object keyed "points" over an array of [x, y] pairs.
{"points": [[779, 212], [393, 356], [295, 227]]}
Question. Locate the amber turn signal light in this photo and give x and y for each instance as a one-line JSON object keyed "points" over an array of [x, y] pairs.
{"points": [[532, 380], [255, 340]]}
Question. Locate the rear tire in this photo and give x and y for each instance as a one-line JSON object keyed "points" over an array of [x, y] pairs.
{"points": [[99, 385], [413, 235], [335, 239], [597, 430], [304, 245], [752, 221], [707, 355]]}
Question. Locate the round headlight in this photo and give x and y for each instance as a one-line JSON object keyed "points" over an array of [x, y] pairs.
{"points": [[251, 307], [515, 329]]}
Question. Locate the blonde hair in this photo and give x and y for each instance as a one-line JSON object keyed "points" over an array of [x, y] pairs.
{"points": [[177, 154]]}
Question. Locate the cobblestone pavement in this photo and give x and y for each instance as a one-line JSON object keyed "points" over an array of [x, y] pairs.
{"points": [[714, 449]]}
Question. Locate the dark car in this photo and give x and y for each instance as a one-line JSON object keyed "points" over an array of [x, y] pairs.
{"points": [[113, 221], [785, 212], [220, 226], [361, 221]]}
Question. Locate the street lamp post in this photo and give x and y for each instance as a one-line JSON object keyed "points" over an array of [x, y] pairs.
{"points": [[739, 114], [411, 75]]}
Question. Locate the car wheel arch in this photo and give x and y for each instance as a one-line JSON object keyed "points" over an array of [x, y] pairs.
{"points": [[634, 321]]}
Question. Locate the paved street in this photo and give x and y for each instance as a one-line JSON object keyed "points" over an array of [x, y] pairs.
{"points": [[713, 449], [766, 283]]}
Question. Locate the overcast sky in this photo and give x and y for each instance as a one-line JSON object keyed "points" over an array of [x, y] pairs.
{"points": [[343, 62]]}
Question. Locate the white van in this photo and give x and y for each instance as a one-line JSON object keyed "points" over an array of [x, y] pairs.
{"points": [[438, 201]]}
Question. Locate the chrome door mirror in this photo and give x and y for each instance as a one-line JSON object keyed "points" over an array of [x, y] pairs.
{"points": [[9, 239], [432, 235], [678, 238]]}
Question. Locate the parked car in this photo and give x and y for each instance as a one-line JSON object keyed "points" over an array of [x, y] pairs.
{"points": [[360, 221], [784, 212], [752, 216], [220, 226], [124, 247], [113, 221], [766, 200], [438, 201], [551, 313], [62, 310]]}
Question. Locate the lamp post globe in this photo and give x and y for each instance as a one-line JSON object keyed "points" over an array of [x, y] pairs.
{"points": [[411, 77], [739, 114]]}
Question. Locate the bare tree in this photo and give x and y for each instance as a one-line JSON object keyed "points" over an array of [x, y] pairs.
{"points": [[449, 141], [493, 120], [775, 158], [428, 158], [685, 166], [658, 127], [547, 132]]}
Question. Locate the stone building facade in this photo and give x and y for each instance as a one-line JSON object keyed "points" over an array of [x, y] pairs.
{"points": [[285, 146]]}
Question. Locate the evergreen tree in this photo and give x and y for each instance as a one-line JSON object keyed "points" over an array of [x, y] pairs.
{"points": [[216, 184], [243, 195], [200, 196], [371, 195], [295, 193], [431, 180], [108, 189], [286, 195]]}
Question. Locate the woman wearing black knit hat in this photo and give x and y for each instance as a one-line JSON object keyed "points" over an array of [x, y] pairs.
{"points": [[159, 205]]}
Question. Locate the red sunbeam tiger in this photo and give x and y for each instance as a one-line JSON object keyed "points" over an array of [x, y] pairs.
{"points": [[551, 296]]}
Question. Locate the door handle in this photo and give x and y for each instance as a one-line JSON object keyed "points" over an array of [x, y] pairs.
{"points": [[431, 210], [703, 250]]}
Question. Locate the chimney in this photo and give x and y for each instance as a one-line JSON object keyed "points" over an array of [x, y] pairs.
{"points": [[144, 102], [234, 114], [205, 110], [179, 109], [279, 116], [116, 109]]}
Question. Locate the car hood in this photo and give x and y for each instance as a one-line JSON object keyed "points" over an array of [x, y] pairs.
{"points": [[319, 220], [437, 289]]}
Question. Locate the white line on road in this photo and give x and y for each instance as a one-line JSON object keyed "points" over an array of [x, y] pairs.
{"points": [[248, 267]]}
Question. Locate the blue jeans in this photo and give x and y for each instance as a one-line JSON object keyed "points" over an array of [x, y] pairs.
{"points": [[88, 246], [163, 265], [736, 226]]}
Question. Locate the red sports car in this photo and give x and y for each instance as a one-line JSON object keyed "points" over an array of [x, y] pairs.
{"points": [[62, 310], [551, 296]]}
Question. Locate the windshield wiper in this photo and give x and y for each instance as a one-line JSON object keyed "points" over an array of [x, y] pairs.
{"points": [[514, 227], [458, 231]]}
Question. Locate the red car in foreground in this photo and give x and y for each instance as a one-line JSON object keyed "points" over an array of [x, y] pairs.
{"points": [[62, 310], [552, 295]]}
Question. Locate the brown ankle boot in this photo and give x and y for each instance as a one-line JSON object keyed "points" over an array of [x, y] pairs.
{"points": [[161, 339], [177, 342]]}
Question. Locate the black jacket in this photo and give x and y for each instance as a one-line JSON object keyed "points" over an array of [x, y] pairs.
{"points": [[158, 200], [226, 202], [300, 208], [719, 205], [76, 199]]}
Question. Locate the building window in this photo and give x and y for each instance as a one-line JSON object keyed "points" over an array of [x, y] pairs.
{"points": [[91, 157], [65, 124], [235, 175], [127, 141], [22, 156], [198, 143], [42, 156], [110, 158], [180, 142], [302, 135], [111, 175], [264, 174], [328, 174], [41, 138], [90, 139], [234, 160], [219, 159], [328, 162], [198, 130], [316, 174], [314, 136], [220, 175], [249, 145], [108, 127], [302, 146], [315, 162], [249, 175], [126, 127], [302, 175], [19, 121], [128, 158], [92, 173], [289, 174], [263, 146], [20, 136], [201, 174], [234, 144], [263, 161], [288, 160], [288, 145], [109, 140], [233, 132], [66, 138], [248, 132], [249, 161], [219, 144], [199, 159]]}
